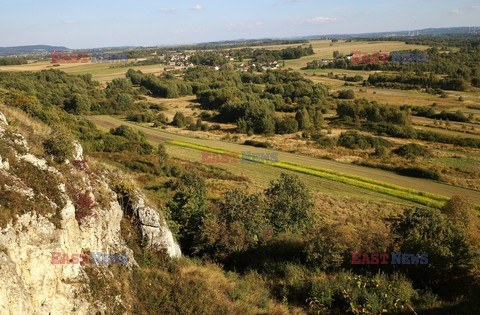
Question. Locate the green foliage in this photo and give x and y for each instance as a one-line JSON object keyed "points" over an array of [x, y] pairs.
{"points": [[59, 145], [357, 294], [450, 255], [355, 140], [188, 208], [78, 104], [179, 120], [129, 133], [289, 204], [419, 172], [346, 94], [286, 125], [325, 248], [257, 144], [413, 150], [373, 112], [162, 155], [303, 118], [239, 224]]}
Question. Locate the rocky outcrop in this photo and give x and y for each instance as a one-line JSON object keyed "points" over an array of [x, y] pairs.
{"points": [[154, 228], [29, 282]]}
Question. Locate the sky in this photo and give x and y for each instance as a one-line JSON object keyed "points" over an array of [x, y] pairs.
{"points": [[106, 23]]}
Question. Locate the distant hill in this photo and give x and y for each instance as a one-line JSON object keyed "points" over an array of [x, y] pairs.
{"points": [[30, 49], [426, 31]]}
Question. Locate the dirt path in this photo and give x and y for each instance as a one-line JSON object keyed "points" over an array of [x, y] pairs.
{"points": [[157, 135]]}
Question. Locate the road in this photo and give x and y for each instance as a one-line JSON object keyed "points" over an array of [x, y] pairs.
{"points": [[158, 135]]}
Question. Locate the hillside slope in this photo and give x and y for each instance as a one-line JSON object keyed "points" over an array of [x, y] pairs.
{"points": [[69, 208]]}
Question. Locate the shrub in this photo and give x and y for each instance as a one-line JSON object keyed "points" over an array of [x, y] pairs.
{"points": [[355, 140], [188, 208], [412, 150], [286, 125], [346, 94], [419, 172], [128, 133], [450, 255], [59, 145], [179, 120], [257, 144], [84, 204], [288, 204]]}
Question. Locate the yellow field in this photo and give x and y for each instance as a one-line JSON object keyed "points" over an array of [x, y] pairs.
{"points": [[102, 72], [323, 50]]}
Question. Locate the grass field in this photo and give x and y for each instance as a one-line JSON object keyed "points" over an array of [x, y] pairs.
{"points": [[325, 48], [157, 135], [101, 72], [420, 197]]}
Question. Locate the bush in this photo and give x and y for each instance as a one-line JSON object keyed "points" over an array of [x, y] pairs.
{"points": [[179, 120], [355, 140], [128, 133], [412, 150], [346, 94], [257, 144], [59, 145], [286, 125], [419, 172], [288, 204], [450, 255]]}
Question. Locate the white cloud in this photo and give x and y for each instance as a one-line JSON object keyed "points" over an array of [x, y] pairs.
{"points": [[320, 20], [167, 10], [198, 7]]}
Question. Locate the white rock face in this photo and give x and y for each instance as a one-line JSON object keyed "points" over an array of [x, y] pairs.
{"points": [[154, 227], [77, 151], [29, 282], [3, 119]]}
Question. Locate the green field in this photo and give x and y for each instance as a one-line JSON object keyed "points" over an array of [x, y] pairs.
{"points": [[350, 174]]}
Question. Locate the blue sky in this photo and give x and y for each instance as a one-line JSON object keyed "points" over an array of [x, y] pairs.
{"points": [[102, 23]]}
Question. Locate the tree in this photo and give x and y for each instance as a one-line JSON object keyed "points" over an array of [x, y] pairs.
{"points": [[239, 225], [78, 104], [188, 208], [346, 94], [450, 255], [162, 155], [288, 204], [179, 120], [286, 125], [303, 119]]}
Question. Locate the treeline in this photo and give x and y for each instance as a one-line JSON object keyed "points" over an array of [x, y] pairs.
{"points": [[239, 98], [392, 121], [308, 261], [9, 61], [411, 81], [266, 55], [57, 99], [209, 58], [463, 66], [429, 112], [166, 86], [218, 57]]}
